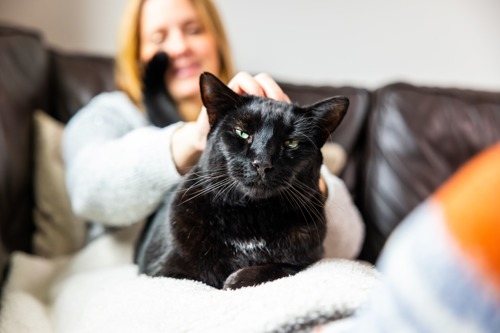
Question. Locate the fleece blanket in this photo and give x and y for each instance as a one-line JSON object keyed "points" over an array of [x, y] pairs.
{"points": [[440, 268], [99, 290]]}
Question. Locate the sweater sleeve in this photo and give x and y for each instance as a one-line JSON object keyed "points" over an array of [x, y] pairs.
{"points": [[118, 167], [345, 228]]}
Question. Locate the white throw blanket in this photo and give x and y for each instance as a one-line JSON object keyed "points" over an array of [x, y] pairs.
{"points": [[98, 290]]}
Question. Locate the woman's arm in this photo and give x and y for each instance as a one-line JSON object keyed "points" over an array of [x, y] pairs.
{"points": [[345, 228], [118, 169]]}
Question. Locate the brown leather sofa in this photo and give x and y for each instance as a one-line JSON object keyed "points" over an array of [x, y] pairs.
{"points": [[402, 141]]}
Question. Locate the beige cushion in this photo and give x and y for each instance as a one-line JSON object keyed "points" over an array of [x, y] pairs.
{"points": [[58, 230], [334, 157]]}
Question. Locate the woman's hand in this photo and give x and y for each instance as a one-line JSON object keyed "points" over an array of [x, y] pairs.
{"points": [[189, 141], [259, 85]]}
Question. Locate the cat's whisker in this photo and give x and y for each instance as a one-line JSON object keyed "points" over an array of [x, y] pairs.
{"points": [[307, 189], [304, 201], [200, 183], [312, 205], [291, 198], [206, 179], [200, 178], [203, 183], [302, 205], [204, 190], [226, 189], [295, 198], [232, 188]]}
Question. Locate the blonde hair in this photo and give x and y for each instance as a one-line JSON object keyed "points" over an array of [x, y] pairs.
{"points": [[128, 69]]}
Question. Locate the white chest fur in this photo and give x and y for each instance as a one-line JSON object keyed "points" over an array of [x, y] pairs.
{"points": [[248, 246]]}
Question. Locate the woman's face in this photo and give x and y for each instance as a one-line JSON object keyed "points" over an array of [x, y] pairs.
{"points": [[173, 26]]}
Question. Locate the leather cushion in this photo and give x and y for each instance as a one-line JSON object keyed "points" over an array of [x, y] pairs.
{"points": [[417, 138], [75, 79], [23, 86]]}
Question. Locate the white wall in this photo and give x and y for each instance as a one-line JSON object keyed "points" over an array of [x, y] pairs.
{"points": [[360, 42], [72, 25]]}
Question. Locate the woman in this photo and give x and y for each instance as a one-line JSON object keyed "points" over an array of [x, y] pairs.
{"points": [[119, 166]]}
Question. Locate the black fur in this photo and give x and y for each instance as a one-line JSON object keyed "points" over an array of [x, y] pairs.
{"points": [[158, 102], [251, 211]]}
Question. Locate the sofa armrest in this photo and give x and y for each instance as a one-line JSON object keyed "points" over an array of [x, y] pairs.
{"points": [[23, 87]]}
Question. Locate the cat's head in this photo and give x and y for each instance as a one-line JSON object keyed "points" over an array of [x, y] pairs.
{"points": [[267, 145]]}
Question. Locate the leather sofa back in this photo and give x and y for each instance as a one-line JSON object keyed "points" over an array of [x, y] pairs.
{"points": [[416, 138], [75, 79], [24, 67]]}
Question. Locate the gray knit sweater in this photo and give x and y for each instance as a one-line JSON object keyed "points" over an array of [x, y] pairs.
{"points": [[119, 168]]}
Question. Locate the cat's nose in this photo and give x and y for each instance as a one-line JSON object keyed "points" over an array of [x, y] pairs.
{"points": [[262, 166]]}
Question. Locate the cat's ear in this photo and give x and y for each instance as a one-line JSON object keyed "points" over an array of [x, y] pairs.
{"points": [[217, 98], [328, 114]]}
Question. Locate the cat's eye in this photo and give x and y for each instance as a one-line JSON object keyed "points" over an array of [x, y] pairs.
{"points": [[242, 134], [291, 144]]}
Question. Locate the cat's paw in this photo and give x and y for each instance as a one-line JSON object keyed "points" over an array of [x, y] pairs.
{"points": [[153, 77], [255, 275], [239, 279], [159, 104]]}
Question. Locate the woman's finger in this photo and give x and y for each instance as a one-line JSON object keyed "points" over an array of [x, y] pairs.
{"points": [[271, 88], [244, 83]]}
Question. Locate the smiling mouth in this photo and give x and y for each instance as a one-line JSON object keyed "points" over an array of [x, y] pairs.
{"points": [[187, 71]]}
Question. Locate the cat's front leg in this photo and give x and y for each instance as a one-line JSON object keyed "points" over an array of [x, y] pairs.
{"points": [[254, 275]]}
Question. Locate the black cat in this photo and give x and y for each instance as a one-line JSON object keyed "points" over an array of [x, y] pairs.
{"points": [[251, 210]]}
